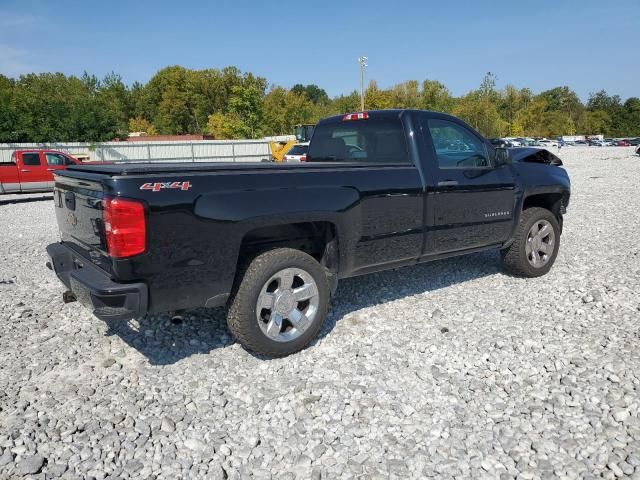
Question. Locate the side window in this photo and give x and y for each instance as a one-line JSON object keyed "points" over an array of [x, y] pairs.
{"points": [[55, 159], [457, 147], [31, 159], [68, 161], [13, 157]]}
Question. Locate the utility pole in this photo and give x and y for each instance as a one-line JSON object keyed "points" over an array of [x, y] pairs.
{"points": [[363, 63]]}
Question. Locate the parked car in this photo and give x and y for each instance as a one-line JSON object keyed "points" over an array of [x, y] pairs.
{"points": [[622, 143], [507, 142], [272, 240], [500, 142], [32, 171], [634, 141], [297, 153], [638, 150]]}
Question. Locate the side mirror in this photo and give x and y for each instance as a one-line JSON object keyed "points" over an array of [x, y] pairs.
{"points": [[502, 156]]}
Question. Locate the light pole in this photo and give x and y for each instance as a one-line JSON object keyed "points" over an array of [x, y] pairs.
{"points": [[363, 63]]}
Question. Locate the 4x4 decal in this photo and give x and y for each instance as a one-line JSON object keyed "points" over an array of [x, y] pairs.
{"points": [[156, 187]]}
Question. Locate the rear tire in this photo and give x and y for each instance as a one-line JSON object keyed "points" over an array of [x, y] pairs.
{"points": [[535, 247], [280, 303]]}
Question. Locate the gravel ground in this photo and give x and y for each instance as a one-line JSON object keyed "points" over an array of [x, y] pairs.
{"points": [[446, 369]]}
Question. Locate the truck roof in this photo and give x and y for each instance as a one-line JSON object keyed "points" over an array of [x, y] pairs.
{"points": [[390, 113], [45, 150]]}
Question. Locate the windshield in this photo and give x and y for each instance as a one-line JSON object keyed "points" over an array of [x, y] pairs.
{"points": [[370, 140], [298, 150]]}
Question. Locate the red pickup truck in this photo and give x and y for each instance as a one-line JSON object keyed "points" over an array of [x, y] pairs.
{"points": [[32, 170]]}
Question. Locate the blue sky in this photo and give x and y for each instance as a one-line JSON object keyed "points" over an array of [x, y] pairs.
{"points": [[587, 45]]}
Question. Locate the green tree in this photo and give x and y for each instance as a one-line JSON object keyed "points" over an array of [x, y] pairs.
{"points": [[531, 118], [224, 126], [480, 108], [480, 113], [406, 95], [284, 109], [53, 107], [436, 97], [346, 103], [140, 124], [246, 103], [611, 105], [113, 97], [487, 88], [7, 112], [312, 92], [594, 122], [509, 107], [168, 100], [631, 117], [564, 109], [138, 101], [600, 100], [376, 99]]}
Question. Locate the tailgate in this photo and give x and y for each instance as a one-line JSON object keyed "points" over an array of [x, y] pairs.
{"points": [[78, 206]]}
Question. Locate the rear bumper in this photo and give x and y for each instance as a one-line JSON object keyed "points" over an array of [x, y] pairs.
{"points": [[93, 288]]}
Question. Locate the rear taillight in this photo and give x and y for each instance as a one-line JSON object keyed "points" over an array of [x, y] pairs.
{"points": [[303, 158], [355, 116], [125, 227]]}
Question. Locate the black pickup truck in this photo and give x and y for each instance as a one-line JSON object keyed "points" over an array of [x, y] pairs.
{"points": [[379, 190]]}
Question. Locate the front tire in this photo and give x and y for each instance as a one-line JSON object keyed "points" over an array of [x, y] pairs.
{"points": [[535, 247], [280, 304]]}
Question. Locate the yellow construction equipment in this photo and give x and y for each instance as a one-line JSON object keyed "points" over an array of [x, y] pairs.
{"points": [[280, 148], [304, 132]]}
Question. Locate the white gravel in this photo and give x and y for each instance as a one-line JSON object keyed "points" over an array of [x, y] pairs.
{"points": [[446, 369]]}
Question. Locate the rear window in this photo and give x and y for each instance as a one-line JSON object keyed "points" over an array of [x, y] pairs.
{"points": [[298, 150], [368, 141]]}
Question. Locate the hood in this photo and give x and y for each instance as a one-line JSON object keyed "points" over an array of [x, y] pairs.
{"points": [[534, 155]]}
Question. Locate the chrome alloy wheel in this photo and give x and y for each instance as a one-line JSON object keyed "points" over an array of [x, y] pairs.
{"points": [[541, 241], [287, 304]]}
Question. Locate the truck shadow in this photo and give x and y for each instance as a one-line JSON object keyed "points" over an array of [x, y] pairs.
{"points": [[165, 341], [25, 199]]}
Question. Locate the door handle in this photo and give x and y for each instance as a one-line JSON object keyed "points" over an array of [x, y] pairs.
{"points": [[24, 170], [51, 169], [448, 183]]}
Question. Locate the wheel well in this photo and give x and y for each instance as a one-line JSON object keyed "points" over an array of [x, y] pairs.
{"points": [[317, 239], [549, 201]]}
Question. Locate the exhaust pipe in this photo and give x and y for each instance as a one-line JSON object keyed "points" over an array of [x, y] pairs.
{"points": [[69, 296]]}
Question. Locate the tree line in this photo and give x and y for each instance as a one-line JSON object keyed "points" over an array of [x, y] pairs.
{"points": [[228, 103]]}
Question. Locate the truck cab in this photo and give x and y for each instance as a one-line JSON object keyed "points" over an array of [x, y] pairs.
{"points": [[31, 171]]}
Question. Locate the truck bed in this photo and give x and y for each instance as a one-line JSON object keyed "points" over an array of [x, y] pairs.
{"points": [[140, 168]]}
